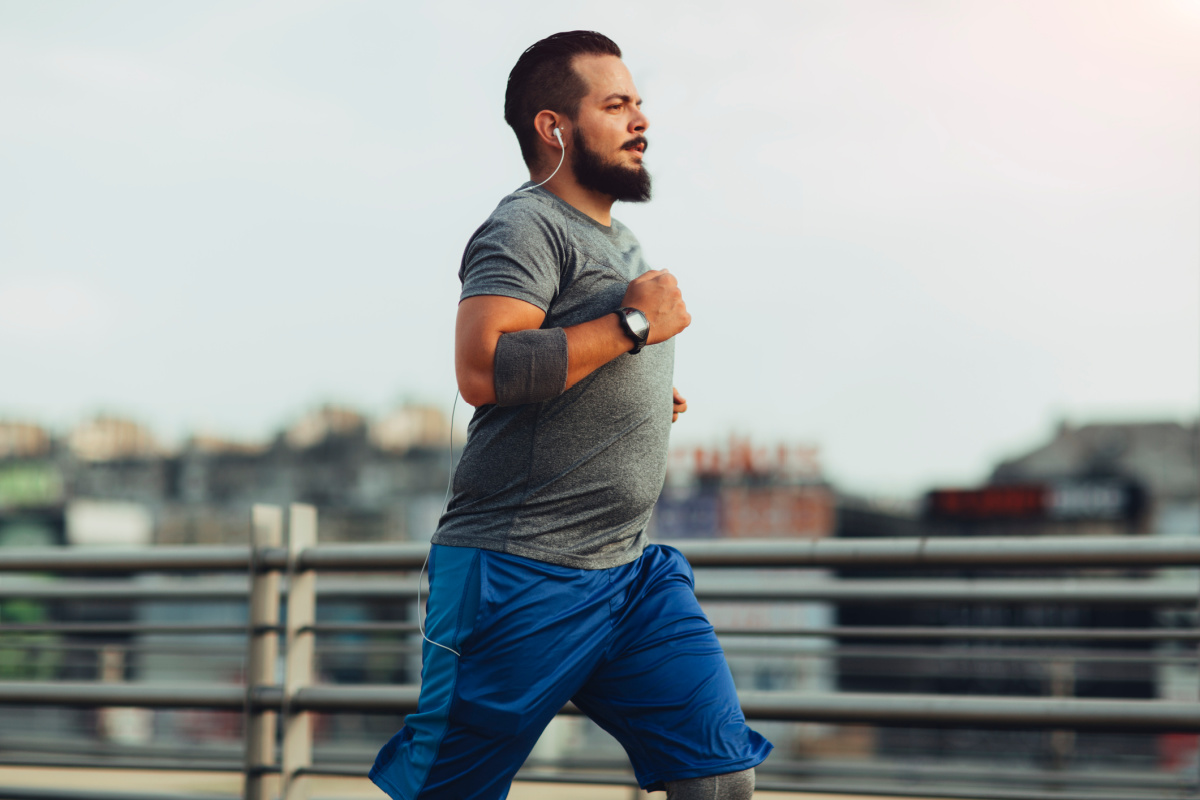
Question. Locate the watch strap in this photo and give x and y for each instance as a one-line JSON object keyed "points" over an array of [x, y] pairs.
{"points": [[639, 338]]}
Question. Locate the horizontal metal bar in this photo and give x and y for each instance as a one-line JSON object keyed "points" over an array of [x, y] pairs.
{"points": [[609, 779], [766, 782], [160, 558], [861, 789], [181, 590], [92, 755], [974, 711], [1112, 551], [979, 654], [954, 653], [233, 653], [912, 710], [321, 628], [934, 551], [235, 590], [773, 589], [87, 761], [199, 628], [878, 779], [364, 557], [138, 695], [49, 745], [771, 648], [99, 628], [911, 771], [45, 793], [985, 634], [765, 588], [833, 632], [865, 632], [841, 707]]}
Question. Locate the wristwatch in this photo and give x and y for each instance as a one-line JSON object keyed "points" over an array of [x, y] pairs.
{"points": [[636, 326]]}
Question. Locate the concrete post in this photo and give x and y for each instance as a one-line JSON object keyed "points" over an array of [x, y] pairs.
{"points": [[298, 664], [262, 649]]}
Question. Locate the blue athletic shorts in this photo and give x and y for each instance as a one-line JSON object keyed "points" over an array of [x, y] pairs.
{"points": [[629, 645]]}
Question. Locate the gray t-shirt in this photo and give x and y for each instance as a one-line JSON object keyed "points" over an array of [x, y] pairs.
{"points": [[571, 480]]}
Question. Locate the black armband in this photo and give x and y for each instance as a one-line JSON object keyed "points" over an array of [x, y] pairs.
{"points": [[530, 366]]}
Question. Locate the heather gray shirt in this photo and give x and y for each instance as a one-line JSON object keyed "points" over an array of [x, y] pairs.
{"points": [[571, 480]]}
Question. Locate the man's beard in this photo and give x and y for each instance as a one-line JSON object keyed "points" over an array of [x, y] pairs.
{"points": [[631, 185]]}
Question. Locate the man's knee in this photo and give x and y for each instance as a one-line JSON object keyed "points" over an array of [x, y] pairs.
{"points": [[730, 786]]}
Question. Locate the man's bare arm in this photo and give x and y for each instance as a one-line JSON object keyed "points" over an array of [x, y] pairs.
{"points": [[483, 319]]}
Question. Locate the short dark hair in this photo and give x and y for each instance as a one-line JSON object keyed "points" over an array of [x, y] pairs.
{"points": [[544, 78]]}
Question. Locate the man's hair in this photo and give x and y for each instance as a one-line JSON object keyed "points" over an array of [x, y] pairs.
{"points": [[543, 79]]}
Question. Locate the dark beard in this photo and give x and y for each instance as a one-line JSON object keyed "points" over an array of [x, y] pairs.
{"points": [[618, 182]]}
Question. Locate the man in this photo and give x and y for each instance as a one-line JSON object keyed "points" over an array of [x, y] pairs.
{"points": [[543, 587]]}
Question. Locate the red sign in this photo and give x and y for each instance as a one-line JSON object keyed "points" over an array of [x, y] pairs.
{"points": [[998, 501], [1094, 499]]}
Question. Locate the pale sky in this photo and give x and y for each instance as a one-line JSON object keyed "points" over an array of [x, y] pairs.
{"points": [[915, 233]]}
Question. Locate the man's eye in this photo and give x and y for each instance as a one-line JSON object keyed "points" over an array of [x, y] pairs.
{"points": [[610, 108]]}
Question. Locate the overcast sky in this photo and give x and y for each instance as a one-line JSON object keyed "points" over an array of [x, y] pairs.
{"points": [[915, 233]]}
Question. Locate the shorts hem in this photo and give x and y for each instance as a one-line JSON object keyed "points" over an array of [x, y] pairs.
{"points": [[388, 788], [657, 781]]}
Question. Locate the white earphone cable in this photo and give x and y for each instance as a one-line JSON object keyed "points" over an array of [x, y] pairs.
{"points": [[445, 505], [558, 135], [453, 408]]}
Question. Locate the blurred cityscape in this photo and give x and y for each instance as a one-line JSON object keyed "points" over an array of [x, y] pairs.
{"points": [[108, 482]]}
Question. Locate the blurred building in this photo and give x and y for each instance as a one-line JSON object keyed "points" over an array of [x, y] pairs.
{"points": [[326, 422], [23, 440], [743, 491], [373, 480], [32, 487], [408, 427], [107, 437], [1120, 479], [1161, 457], [109, 483]]}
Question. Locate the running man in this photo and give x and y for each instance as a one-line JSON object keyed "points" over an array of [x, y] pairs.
{"points": [[543, 585]]}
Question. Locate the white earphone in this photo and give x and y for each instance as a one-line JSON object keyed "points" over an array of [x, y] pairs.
{"points": [[446, 501], [557, 135]]}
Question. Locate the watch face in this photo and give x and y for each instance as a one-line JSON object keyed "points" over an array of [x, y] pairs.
{"points": [[637, 322]]}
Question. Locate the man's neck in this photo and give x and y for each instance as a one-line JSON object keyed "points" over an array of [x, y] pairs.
{"points": [[596, 205]]}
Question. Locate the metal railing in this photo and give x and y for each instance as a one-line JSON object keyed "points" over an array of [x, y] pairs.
{"points": [[274, 571]]}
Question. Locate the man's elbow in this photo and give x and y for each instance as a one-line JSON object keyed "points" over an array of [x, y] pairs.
{"points": [[477, 389]]}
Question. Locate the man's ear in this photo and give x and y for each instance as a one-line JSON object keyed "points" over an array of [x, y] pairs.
{"points": [[545, 124]]}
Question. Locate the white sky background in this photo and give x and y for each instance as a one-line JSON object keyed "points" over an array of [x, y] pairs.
{"points": [[914, 233]]}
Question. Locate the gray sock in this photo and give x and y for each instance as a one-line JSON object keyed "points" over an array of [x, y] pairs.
{"points": [[730, 786]]}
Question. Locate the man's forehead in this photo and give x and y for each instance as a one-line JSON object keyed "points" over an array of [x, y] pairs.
{"points": [[605, 76]]}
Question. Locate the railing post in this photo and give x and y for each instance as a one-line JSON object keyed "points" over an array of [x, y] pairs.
{"points": [[298, 664], [262, 642]]}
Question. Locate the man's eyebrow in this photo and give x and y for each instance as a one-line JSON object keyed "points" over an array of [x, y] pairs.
{"points": [[624, 98]]}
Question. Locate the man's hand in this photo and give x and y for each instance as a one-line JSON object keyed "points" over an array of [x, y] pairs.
{"points": [[656, 294], [680, 404]]}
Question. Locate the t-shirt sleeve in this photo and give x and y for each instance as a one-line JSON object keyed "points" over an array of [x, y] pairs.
{"points": [[516, 253]]}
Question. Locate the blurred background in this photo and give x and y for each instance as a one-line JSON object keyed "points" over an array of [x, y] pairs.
{"points": [[939, 255]]}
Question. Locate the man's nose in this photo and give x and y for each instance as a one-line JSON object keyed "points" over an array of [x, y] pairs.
{"points": [[639, 123]]}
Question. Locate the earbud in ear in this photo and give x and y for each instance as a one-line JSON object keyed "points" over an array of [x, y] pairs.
{"points": [[561, 158]]}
